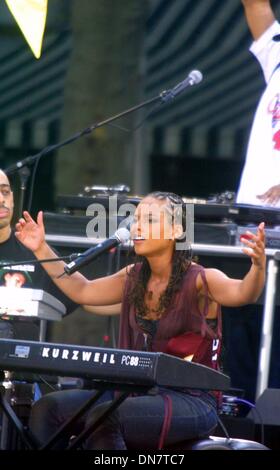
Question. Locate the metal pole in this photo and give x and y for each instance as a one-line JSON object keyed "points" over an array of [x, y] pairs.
{"points": [[43, 330], [267, 327]]}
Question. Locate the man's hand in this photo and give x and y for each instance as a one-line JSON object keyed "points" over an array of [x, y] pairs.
{"points": [[255, 246], [30, 233], [271, 196]]}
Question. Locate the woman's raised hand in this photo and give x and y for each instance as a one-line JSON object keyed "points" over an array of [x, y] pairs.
{"points": [[30, 233], [255, 246]]}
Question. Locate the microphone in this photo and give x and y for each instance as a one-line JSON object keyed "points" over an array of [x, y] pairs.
{"points": [[121, 236], [194, 77]]}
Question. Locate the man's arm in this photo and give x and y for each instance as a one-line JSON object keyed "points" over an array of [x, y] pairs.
{"points": [[259, 16]]}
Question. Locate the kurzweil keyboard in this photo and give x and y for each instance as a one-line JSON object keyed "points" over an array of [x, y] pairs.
{"points": [[108, 365]]}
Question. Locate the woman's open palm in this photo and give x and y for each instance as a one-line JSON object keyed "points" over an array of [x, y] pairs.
{"points": [[30, 233]]}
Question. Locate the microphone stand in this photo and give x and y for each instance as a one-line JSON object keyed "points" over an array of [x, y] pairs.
{"points": [[51, 148], [165, 96], [24, 174]]}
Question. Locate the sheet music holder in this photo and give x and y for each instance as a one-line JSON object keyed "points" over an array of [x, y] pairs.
{"points": [[29, 303]]}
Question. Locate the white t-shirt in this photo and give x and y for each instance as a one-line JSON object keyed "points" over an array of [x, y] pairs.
{"points": [[262, 166]]}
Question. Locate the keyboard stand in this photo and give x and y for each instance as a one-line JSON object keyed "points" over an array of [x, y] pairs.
{"points": [[126, 391], [30, 441], [11, 416]]}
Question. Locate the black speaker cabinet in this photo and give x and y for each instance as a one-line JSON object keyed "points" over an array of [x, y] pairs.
{"points": [[267, 408]]}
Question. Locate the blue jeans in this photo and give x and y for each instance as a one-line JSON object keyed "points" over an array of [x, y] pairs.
{"points": [[135, 424]]}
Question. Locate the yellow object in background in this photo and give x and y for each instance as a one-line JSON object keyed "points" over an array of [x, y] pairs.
{"points": [[31, 16]]}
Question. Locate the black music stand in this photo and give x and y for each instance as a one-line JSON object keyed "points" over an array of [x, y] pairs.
{"points": [[34, 304]]}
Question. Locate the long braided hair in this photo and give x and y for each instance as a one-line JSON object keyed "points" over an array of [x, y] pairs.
{"points": [[181, 260]]}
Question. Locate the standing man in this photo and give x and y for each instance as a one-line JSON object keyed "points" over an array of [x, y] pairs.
{"points": [[260, 185], [260, 181], [25, 275]]}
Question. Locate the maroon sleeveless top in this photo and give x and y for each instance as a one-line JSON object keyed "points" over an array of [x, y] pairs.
{"points": [[182, 329]]}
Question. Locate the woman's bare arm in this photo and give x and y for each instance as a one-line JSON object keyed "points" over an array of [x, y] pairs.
{"points": [[234, 292], [103, 291]]}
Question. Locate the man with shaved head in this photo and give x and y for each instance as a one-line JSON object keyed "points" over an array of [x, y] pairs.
{"points": [[259, 185]]}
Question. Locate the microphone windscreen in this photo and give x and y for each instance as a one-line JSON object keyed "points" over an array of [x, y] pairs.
{"points": [[122, 234], [196, 76]]}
